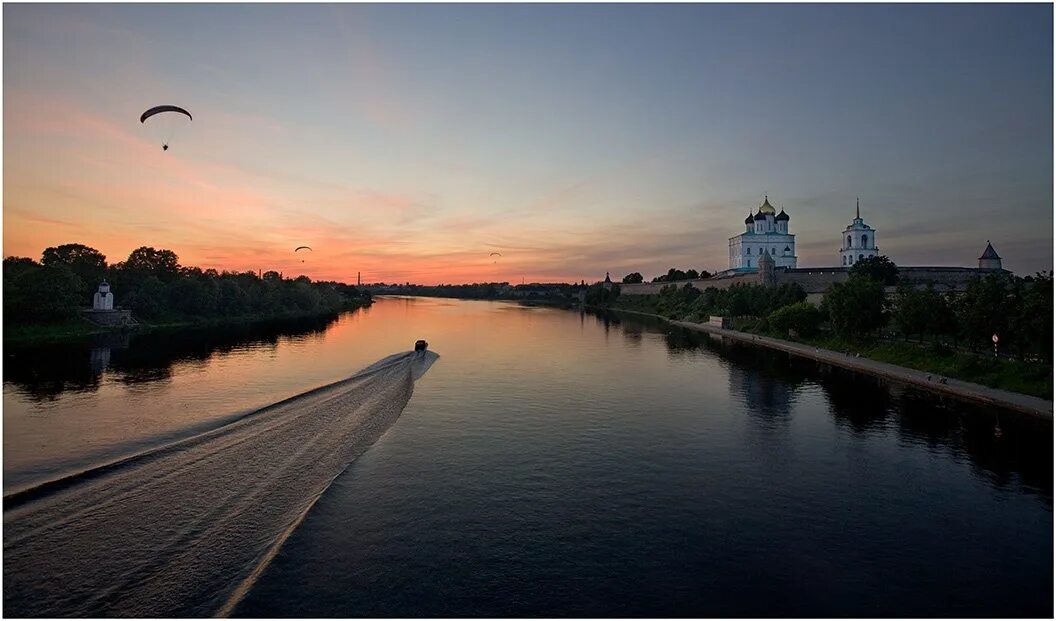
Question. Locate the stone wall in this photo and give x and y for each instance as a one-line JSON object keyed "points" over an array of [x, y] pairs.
{"points": [[718, 282], [816, 281], [115, 317]]}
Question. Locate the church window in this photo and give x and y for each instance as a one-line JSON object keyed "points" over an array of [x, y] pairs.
{"points": [[748, 250], [860, 257], [865, 241], [848, 241], [845, 260]]}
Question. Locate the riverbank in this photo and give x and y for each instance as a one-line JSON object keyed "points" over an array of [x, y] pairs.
{"points": [[80, 329], [1019, 402]]}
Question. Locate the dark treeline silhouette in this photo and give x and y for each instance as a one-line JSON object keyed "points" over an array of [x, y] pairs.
{"points": [[688, 303], [674, 275], [154, 285], [486, 290]]}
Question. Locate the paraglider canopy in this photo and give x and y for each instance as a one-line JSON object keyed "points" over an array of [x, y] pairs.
{"points": [[165, 126], [495, 253], [302, 248], [159, 109]]}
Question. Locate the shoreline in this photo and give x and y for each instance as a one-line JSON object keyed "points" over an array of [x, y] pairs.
{"points": [[1024, 404], [79, 331]]}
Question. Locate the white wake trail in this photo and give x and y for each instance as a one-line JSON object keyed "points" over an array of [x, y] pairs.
{"points": [[184, 530]]}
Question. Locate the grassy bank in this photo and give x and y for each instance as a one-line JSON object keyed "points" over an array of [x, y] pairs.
{"points": [[1029, 378], [30, 334]]}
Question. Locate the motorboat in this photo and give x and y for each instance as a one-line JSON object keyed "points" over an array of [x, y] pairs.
{"points": [[420, 345]]}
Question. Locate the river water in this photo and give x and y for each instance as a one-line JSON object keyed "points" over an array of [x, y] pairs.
{"points": [[549, 463]]}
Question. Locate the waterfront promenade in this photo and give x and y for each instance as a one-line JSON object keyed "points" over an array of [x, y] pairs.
{"points": [[1026, 404]]}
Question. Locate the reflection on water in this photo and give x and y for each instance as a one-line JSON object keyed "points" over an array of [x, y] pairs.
{"points": [[570, 463], [1019, 454], [44, 372]]}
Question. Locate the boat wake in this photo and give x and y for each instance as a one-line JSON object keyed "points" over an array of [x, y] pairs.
{"points": [[185, 529]]}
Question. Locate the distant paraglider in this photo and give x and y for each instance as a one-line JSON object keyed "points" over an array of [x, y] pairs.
{"points": [[166, 119], [495, 254], [298, 248]]}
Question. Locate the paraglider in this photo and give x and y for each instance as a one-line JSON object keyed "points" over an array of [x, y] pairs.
{"points": [[295, 250], [168, 119], [495, 253]]}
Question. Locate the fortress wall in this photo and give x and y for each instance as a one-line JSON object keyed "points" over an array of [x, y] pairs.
{"points": [[816, 281], [813, 281], [653, 288]]}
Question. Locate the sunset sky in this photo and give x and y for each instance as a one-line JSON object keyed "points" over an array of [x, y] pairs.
{"points": [[408, 142]]}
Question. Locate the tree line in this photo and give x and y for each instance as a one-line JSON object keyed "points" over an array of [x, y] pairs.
{"points": [[152, 283], [875, 304], [672, 275]]}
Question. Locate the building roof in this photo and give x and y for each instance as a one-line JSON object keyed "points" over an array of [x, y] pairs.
{"points": [[782, 215], [760, 216], [766, 258], [766, 208], [989, 253], [749, 219]]}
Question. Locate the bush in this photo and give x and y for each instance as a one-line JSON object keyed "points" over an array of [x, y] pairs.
{"points": [[802, 318]]}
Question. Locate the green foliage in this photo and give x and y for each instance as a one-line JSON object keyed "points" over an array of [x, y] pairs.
{"points": [[801, 318], [87, 263], [878, 268], [164, 264], [985, 309], [153, 285], [855, 309], [633, 277], [688, 303], [599, 295], [50, 293], [674, 275]]}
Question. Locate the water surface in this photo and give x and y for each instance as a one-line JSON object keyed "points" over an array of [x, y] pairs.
{"points": [[559, 463]]}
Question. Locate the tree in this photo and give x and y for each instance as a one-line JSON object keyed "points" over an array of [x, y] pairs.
{"points": [[855, 308], [16, 266], [879, 268], [599, 295], [802, 318], [51, 293], [633, 277], [1033, 321], [984, 310], [87, 263], [912, 313], [164, 264]]}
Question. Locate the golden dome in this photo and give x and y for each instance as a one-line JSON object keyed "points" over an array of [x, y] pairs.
{"points": [[766, 208]]}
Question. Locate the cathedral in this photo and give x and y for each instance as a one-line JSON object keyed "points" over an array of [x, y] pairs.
{"points": [[766, 232]]}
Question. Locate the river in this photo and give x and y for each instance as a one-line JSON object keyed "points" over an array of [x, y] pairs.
{"points": [[549, 463]]}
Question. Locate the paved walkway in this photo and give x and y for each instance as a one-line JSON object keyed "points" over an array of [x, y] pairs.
{"points": [[930, 381]]}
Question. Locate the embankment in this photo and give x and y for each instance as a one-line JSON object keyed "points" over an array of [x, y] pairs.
{"points": [[1025, 404], [183, 530]]}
